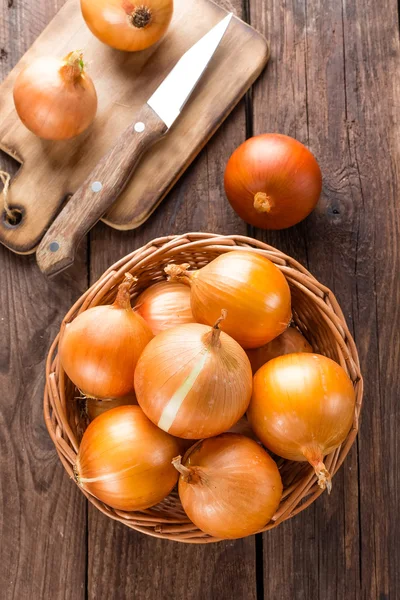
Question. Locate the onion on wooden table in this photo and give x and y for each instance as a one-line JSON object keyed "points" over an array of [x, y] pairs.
{"points": [[194, 381], [125, 25], [249, 286], [302, 408], [229, 486], [100, 348], [125, 461], [272, 181], [54, 98]]}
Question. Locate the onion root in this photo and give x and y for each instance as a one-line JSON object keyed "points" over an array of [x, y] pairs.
{"points": [[316, 461], [262, 202], [324, 477], [141, 17]]}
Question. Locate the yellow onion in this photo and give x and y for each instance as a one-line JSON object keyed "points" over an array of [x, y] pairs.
{"points": [[249, 286], [290, 341], [54, 98], [125, 461], [100, 348], [229, 486], [127, 25], [244, 428], [302, 408], [165, 305], [193, 381], [95, 407]]}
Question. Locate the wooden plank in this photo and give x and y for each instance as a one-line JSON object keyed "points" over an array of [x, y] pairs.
{"points": [[42, 516], [317, 553], [333, 64], [290, 552], [372, 54], [147, 568]]}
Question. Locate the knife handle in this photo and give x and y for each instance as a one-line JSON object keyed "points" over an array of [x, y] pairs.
{"points": [[56, 251]]}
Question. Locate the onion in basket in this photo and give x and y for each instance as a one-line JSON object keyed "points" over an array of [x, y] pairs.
{"points": [[95, 407], [193, 381], [229, 486], [249, 286], [302, 408], [125, 461], [165, 305], [100, 348], [290, 341]]}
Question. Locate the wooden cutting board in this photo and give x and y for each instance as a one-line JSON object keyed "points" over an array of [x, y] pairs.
{"points": [[51, 171]]}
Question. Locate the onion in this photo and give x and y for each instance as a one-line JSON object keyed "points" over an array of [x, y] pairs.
{"points": [[95, 407], [193, 381], [302, 408], [54, 98], [290, 341], [100, 348], [250, 287], [272, 181], [124, 25], [244, 428], [125, 461], [229, 486], [165, 305]]}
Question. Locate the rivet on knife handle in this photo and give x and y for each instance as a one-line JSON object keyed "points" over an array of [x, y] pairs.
{"points": [[57, 249]]}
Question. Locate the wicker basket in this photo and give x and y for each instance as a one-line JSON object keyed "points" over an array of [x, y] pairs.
{"points": [[316, 313]]}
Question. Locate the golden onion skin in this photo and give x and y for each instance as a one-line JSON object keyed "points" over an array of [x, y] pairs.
{"points": [[302, 408], [230, 486], [191, 387], [125, 461], [289, 342], [248, 286]]}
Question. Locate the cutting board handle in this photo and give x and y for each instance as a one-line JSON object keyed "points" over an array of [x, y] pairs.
{"points": [[56, 251]]}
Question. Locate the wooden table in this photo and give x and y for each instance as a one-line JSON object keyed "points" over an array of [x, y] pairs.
{"points": [[333, 83]]}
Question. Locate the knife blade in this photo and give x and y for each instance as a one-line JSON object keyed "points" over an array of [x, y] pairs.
{"points": [[99, 191]]}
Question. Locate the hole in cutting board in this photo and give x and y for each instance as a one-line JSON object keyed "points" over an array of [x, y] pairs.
{"points": [[14, 219], [15, 216]]}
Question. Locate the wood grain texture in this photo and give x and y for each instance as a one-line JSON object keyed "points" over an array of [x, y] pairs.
{"points": [[42, 517], [372, 44], [341, 64], [105, 183], [51, 171], [290, 553]]}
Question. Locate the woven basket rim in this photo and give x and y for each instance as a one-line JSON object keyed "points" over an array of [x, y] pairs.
{"points": [[168, 520]]}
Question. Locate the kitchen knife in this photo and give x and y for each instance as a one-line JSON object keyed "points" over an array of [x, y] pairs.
{"points": [[105, 183]]}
